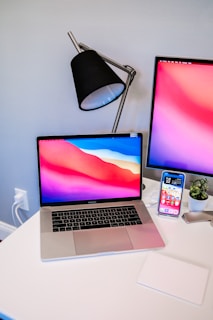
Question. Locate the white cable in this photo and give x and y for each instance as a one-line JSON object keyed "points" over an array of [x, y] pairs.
{"points": [[16, 205], [17, 214]]}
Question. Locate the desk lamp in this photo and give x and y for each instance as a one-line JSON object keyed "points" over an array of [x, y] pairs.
{"points": [[96, 83]]}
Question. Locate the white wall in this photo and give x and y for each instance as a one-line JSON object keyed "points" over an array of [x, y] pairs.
{"points": [[37, 95]]}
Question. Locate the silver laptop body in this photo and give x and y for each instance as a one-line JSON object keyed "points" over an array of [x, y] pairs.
{"points": [[91, 172]]}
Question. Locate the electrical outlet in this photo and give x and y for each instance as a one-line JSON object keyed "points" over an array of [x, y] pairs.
{"points": [[21, 198]]}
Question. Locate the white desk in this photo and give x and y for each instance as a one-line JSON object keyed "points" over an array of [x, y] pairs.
{"points": [[102, 287]]}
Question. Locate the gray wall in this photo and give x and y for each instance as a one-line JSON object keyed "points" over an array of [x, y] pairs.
{"points": [[37, 95]]}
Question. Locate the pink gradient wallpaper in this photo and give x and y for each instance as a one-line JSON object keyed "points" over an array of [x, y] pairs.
{"points": [[182, 127], [72, 173]]}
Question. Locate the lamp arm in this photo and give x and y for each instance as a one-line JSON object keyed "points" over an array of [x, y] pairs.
{"points": [[122, 101], [74, 41]]}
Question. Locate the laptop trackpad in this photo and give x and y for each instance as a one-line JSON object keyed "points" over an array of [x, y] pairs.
{"points": [[102, 240]]}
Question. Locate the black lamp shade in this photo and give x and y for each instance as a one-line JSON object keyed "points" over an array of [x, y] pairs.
{"points": [[96, 83]]}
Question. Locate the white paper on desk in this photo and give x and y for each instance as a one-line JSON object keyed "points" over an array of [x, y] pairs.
{"points": [[174, 277]]}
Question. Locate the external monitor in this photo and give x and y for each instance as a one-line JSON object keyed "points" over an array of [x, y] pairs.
{"points": [[181, 122]]}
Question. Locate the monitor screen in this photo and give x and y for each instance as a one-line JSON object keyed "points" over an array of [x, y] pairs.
{"points": [[181, 123]]}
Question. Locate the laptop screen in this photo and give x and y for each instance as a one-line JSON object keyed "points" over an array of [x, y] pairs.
{"points": [[82, 169]]}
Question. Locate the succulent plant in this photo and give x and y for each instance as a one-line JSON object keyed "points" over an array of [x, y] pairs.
{"points": [[198, 189]]}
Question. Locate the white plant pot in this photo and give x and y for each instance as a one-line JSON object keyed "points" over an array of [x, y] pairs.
{"points": [[196, 205]]}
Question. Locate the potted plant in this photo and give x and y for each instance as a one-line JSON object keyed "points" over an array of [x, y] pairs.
{"points": [[198, 195]]}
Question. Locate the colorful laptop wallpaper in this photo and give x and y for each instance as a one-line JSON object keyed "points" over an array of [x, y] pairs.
{"points": [[86, 169]]}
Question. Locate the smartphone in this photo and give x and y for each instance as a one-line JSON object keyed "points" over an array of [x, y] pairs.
{"points": [[171, 192]]}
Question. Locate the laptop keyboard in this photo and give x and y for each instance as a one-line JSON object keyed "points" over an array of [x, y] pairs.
{"points": [[94, 218]]}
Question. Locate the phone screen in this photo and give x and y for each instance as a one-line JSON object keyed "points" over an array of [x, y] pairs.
{"points": [[171, 190]]}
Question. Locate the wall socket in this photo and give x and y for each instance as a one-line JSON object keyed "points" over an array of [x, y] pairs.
{"points": [[21, 198]]}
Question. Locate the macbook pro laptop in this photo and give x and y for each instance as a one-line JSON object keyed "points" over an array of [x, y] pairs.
{"points": [[90, 196]]}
